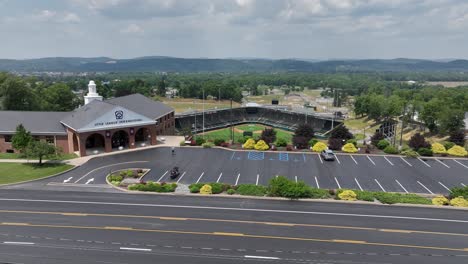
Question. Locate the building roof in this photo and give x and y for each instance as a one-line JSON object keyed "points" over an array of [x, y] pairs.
{"points": [[36, 122], [86, 114], [142, 105]]}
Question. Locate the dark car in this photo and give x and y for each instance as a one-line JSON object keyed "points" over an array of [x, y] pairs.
{"points": [[327, 155]]}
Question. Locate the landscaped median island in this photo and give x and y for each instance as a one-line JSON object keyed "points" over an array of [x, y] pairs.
{"points": [[131, 179], [13, 172]]}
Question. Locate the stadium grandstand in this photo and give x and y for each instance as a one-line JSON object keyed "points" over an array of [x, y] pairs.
{"points": [[275, 116]]}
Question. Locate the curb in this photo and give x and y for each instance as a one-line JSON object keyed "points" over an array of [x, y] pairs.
{"points": [[43, 178]]}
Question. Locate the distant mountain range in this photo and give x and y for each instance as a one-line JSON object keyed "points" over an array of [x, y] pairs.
{"points": [[235, 65]]}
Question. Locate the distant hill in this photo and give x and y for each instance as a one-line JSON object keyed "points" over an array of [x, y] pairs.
{"points": [[235, 65]]}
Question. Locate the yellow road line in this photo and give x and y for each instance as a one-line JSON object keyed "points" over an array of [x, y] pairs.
{"points": [[349, 241], [173, 218], [74, 214], [118, 228], [14, 224], [227, 234]]}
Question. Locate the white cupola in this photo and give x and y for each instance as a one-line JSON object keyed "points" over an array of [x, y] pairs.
{"points": [[92, 93]]}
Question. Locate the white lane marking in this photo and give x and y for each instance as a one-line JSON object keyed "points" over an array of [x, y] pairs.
{"points": [[181, 176], [136, 249], [18, 243], [316, 181], [424, 162], [67, 180], [163, 176], [261, 257], [89, 181], [443, 163], [295, 177], [380, 185], [336, 156], [233, 209], [258, 176], [353, 159], [320, 158], [337, 183], [370, 159], [445, 187], [199, 178], [108, 166], [463, 184], [359, 185], [219, 178], [388, 161], [460, 163], [404, 189], [409, 164], [427, 189], [237, 180]]}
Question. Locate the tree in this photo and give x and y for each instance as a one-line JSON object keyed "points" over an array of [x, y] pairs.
{"points": [[418, 141], [451, 120], [377, 137], [40, 149], [161, 90], [341, 132], [268, 135], [16, 95], [59, 97], [21, 138], [303, 134], [457, 137]]}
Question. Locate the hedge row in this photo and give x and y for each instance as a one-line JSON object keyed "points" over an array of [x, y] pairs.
{"points": [[153, 187]]}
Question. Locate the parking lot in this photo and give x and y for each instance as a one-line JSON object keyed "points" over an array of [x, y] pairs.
{"points": [[365, 172]]}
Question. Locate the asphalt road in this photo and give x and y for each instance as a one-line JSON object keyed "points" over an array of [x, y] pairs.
{"points": [[87, 227], [377, 173]]}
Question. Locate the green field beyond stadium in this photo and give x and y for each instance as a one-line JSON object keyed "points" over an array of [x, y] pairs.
{"points": [[256, 129]]}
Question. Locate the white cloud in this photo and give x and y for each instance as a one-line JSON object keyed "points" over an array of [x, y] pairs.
{"points": [[132, 29], [71, 18]]}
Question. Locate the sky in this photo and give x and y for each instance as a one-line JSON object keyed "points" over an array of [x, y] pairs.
{"points": [[306, 29]]}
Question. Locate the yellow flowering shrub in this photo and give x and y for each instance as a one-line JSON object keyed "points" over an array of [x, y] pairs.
{"points": [[348, 195], [459, 202], [349, 148], [249, 144], [440, 200], [206, 189], [261, 145], [438, 148], [319, 147], [457, 151]]}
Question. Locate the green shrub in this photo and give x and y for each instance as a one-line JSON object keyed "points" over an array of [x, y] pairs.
{"points": [[281, 142], [353, 141], [242, 140], [390, 150], [114, 177], [216, 187], [251, 189], [392, 198], [153, 187], [296, 190], [231, 191], [365, 196], [277, 185], [410, 153], [208, 145], [194, 189], [426, 152], [382, 144], [459, 191], [115, 183], [448, 144], [218, 141], [199, 141], [182, 143], [315, 193], [312, 142]]}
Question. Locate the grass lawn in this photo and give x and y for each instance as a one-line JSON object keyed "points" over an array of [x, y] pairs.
{"points": [[225, 133], [251, 128], [18, 172], [65, 156]]}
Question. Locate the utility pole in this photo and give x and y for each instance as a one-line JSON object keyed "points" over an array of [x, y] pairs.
{"points": [[232, 127], [203, 112]]}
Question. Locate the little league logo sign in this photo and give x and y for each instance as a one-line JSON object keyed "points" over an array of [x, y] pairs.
{"points": [[119, 114]]}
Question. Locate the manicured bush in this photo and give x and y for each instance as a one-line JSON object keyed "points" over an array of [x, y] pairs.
{"points": [[249, 144], [376, 138], [348, 195], [261, 145], [335, 143], [182, 143], [457, 151], [410, 153], [115, 183], [218, 141], [425, 152], [277, 185], [440, 200], [383, 144], [448, 145], [206, 189], [281, 142], [199, 141], [216, 187], [457, 137], [268, 135], [208, 145], [341, 132], [114, 177], [316, 193], [282, 187], [194, 189], [418, 141], [251, 189], [438, 148], [319, 147], [459, 191], [231, 191], [312, 142], [360, 195], [390, 150], [153, 187], [352, 141], [392, 198], [302, 135], [349, 148], [459, 202]]}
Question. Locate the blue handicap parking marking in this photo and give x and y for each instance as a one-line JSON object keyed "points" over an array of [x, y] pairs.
{"points": [[256, 155], [283, 156]]}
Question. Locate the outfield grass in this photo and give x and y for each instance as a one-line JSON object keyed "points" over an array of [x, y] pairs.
{"points": [[65, 156], [18, 172], [251, 128], [225, 133], [181, 105]]}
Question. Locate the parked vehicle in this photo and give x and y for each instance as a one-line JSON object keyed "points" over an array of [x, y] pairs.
{"points": [[175, 172], [327, 155]]}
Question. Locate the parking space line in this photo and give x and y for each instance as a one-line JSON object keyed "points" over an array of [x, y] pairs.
{"points": [[443, 163], [445, 187], [258, 176], [283, 157], [320, 158], [219, 178], [463, 184], [404, 189], [370, 159], [353, 159], [237, 180], [380, 185], [359, 185], [427, 189], [409, 164], [388, 161], [181, 176], [163, 176], [304, 157], [316, 181], [460, 163], [233, 154], [295, 177], [337, 183], [336, 156], [200, 177], [424, 162]]}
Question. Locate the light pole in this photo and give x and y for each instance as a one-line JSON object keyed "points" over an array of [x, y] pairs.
{"points": [[203, 112]]}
